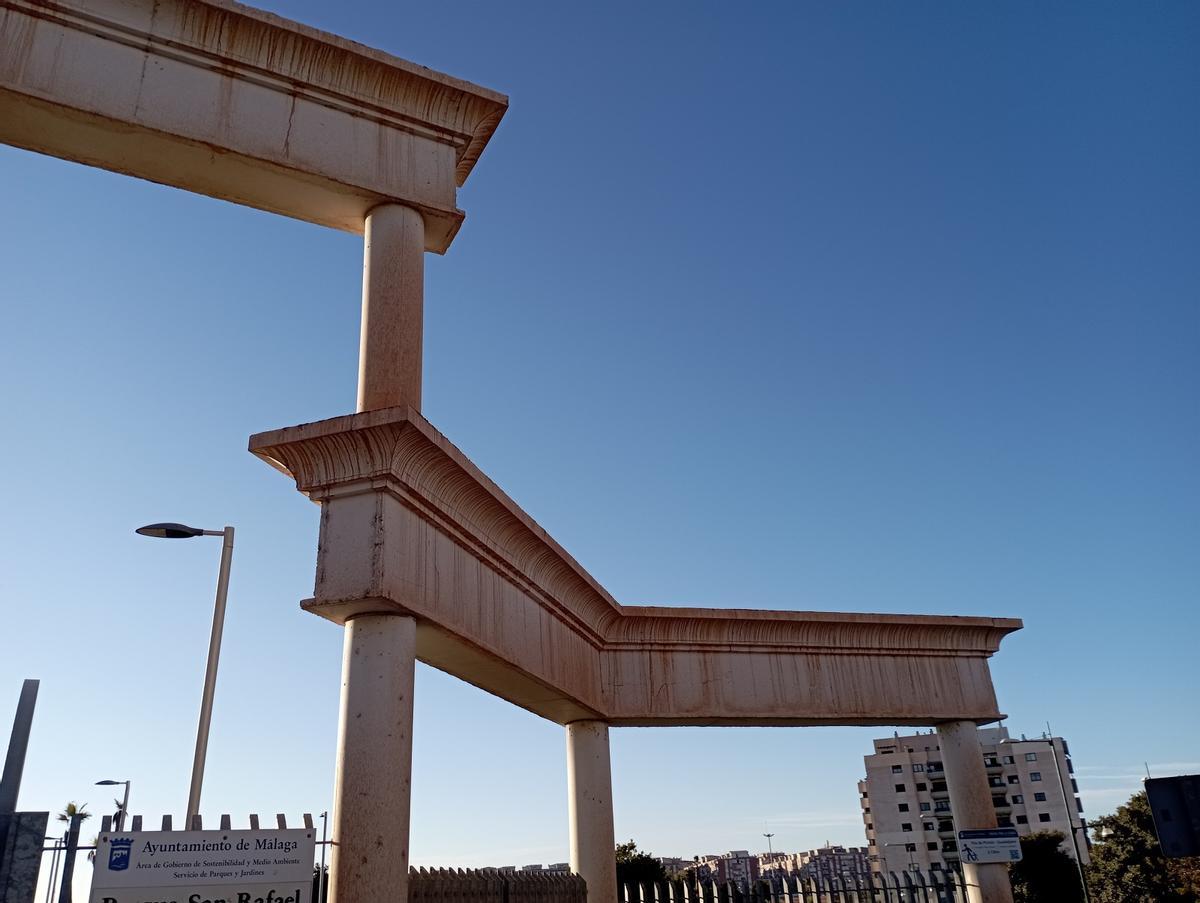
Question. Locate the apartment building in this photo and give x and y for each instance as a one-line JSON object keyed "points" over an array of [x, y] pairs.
{"points": [[906, 807], [828, 861], [737, 866]]}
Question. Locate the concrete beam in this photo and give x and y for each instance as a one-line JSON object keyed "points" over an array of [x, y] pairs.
{"points": [[239, 104], [409, 525]]}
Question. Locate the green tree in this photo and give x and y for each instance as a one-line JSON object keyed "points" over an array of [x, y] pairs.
{"points": [[1045, 873], [634, 865], [1128, 865]]}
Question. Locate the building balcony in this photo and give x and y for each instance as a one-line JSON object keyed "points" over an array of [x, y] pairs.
{"points": [[939, 792]]}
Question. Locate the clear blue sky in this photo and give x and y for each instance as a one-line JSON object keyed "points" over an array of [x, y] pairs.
{"points": [[868, 307]]}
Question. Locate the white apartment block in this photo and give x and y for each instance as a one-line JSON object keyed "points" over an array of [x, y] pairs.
{"points": [[906, 806]]}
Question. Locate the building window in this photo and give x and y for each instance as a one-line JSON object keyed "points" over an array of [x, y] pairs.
{"points": [[1039, 797], [1018, 798], [1045, 816], [926, 826], [932, 845], [935, 866], [870, 826], [910, 848], [1022, 819], [918, 767], [925, 807], [896, 769], [906, 826], [1079, 804], [1031, 757], [867, 811], [921, 787], [900, 787], [1014, 779], [1004, 822], [1009, 760], [903, 807], [1035, 775]]}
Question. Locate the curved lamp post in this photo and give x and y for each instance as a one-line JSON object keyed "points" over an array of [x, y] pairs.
{"points": [[182, 531], [124, 802]]}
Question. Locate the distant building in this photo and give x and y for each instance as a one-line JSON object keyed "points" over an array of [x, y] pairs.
{"points": [[673, 865], [906, 807], [824, 862], [736, 866]]}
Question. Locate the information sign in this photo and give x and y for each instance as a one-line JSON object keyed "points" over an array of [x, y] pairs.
{"points": [[204, 867], [994, 845]]}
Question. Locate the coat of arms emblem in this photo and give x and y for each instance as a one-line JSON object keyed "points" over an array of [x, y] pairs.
{"points": [[118, 853]]}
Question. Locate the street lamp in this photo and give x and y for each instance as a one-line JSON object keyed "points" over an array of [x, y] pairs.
{"points": [[182, 531], [1067, 805], [124, 802]]}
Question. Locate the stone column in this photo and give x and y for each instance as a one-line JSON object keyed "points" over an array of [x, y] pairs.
{"points": [[589, 799], [971, 803], [389, 362], [373, 781], [372, 785]]}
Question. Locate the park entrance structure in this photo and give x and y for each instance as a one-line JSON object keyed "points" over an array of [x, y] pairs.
{"points": [[421, 556]]}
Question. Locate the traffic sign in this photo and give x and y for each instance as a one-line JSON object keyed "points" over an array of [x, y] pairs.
{"points": [[993, 845]]}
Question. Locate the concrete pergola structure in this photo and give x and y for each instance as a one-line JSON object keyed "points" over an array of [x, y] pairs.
{"points": [[421, 556]]}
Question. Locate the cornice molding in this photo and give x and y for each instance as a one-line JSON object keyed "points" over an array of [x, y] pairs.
{"points": [[398, 449]]}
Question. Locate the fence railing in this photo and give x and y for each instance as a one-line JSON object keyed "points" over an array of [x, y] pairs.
{"points": [[908, 887], [481, 886]]}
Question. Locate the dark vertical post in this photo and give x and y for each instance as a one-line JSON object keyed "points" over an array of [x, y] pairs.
{"points": [[14, 762], [68, 869], [14, 766]]}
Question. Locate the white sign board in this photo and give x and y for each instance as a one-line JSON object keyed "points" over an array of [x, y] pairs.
{"points": [[994, 845], [204, 867]]}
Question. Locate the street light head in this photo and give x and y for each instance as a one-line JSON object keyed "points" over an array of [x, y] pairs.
{"points": [[169, 531], [108, 783]]}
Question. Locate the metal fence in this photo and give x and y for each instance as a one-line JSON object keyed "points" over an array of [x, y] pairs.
{"points": [[908, 887]]}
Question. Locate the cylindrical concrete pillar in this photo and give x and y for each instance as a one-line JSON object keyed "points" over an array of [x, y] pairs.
{"points": [[589, 798], [389, 360], [971, 803], [372, 785]]}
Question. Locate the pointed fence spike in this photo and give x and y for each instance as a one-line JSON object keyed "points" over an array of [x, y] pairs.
{"points": [[106, 824], [197, 823], [253, 821], [226, 823], [166, 823], [308, 820], [281, 820], [137, 823]]}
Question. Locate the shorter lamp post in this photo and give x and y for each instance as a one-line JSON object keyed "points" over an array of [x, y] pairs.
{"points": [[124, 801], [182, 531]]}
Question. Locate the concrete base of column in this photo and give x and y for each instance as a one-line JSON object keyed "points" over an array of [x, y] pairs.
{"points": [[589, 797], [971, 803], [374, 762]]}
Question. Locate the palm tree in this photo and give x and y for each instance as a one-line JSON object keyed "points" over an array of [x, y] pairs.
{"points": [[72, 809]]}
